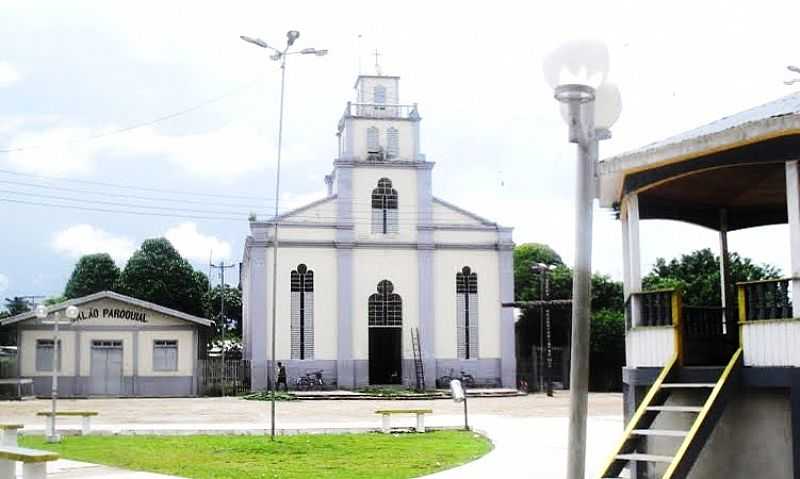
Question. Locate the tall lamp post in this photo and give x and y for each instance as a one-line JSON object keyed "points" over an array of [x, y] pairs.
{"points": [[41, 313], [577, 72], [278, 55]]}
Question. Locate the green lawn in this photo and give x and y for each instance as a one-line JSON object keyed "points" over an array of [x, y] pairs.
{"points": [[303, 456]]}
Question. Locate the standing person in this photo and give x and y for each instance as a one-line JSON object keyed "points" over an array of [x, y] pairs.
{"points": [[281, 378]]}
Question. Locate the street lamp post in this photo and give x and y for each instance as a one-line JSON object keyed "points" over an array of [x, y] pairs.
{"points": [[278, 55], [577, 72], [41, 313]]}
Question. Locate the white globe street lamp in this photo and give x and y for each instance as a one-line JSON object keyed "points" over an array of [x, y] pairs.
{"points": [[577, 71], [41, 313]]}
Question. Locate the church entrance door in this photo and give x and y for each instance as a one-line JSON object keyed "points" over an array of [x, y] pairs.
{"points": [[385, 352]]}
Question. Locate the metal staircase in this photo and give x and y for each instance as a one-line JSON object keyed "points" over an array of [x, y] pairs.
{"points": [[418, 359], [673, 387]]}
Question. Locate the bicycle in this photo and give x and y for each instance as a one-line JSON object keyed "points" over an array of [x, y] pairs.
{"points": [[311, 380], [467, 380]]}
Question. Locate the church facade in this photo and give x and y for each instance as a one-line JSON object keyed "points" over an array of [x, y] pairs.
{"points": [[378, 258]]}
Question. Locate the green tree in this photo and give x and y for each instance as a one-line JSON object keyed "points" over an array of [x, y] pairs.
{"points": [[526, 280], [157, 273], [92, 273], [233, 309], [17, 305], [697, 274]]}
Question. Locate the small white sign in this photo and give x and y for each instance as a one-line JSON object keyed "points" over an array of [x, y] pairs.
{"points": [[456, 390]]}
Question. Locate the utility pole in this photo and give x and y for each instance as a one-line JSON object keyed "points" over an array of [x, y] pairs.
{"points": [[222, 267]]}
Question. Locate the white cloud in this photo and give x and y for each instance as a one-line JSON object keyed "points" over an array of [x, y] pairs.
{"points": [[194, 245], [82, 239], [225, 153], [3, 282], [8, 74]]}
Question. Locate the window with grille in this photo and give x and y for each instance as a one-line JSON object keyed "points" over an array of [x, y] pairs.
{"points": [[385, 307], [373, 142], [392, 142], [45, 352], [384, 208], [302, 328], [467, 313], [165, 355]]}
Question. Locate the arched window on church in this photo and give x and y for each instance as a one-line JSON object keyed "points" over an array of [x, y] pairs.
{"points": [[373, 141], [385, 306], [384, 208], [302, 324], [467, 314], [392, 142]]}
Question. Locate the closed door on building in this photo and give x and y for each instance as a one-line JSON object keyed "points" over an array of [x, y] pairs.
{"points": [[106, 368]]}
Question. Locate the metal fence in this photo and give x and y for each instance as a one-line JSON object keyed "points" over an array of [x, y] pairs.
{"points": [[8, 367], [214, 380]]}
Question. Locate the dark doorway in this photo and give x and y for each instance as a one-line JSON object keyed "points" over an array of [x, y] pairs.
{"points": [[385, 353]]}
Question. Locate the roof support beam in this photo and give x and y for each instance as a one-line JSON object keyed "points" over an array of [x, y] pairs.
{"points": [[793, 210]]}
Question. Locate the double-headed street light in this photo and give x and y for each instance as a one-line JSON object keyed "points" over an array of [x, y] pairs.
{"points": [[41, 313], [278, 55], [577, 72]]}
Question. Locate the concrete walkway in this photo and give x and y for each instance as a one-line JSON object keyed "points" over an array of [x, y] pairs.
{"points": [[65, 469]]}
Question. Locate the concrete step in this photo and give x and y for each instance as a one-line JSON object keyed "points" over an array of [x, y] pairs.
{"points": [[689, 409], [644, 457], [659, 432]]}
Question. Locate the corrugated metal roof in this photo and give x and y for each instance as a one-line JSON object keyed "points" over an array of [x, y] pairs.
{"points": [[788, 105]]}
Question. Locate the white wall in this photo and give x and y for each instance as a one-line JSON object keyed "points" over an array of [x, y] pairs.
{"points": [[366, 87], [772, 343], [404, 181], [370, 266], [185, 348], [28, 352], [405, 132], [650, 346], [485, 263], [322, 261]]}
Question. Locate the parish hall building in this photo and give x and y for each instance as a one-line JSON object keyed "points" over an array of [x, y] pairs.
{"points": [[378, 258]]}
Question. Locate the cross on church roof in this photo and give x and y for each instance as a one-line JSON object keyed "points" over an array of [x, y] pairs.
{"points": [[377, 65]]}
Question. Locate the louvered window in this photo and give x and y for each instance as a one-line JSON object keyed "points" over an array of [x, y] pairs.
{"points": [[302, 290], [384, 208], [380, 96], [392, 143], [467, 314], [385, 306], [165, 355], [45, 354], [373, 145]]}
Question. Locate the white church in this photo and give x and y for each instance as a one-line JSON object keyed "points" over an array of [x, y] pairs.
{"points": [[379, 258]]}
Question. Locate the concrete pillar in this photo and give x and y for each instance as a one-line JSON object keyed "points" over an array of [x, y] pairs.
{"points": [[345, 365], [793, 209], [633, 254], [726, 293]]}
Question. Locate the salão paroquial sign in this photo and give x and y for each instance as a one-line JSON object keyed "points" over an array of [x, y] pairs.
{"points": [[96, 313]]}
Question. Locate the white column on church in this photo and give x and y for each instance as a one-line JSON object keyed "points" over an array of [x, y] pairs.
{"points": [[793, 209]]}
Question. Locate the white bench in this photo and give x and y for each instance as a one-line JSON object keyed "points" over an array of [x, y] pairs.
{"points": [[34, 463], [387, 413], [84, 415], [8, 434]]}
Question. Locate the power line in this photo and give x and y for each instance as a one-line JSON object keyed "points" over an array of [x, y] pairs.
{"points": [[140, 188], [146, 123]]}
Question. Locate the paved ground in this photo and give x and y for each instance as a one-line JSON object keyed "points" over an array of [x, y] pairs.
{"points": [[529, 432]]}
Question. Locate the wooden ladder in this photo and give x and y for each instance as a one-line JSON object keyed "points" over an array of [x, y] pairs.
{"points": [[418, 368], [632, 449]]}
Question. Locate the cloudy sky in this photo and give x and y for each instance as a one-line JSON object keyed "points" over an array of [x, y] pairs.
{"points": [[81, 84]]}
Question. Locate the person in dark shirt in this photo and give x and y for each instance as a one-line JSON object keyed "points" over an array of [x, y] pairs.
{"points": [[281, 378]]}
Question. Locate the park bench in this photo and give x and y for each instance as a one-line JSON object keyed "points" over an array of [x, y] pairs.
{"points": [[20, 384], [8, 434], [85, 415], [387, 413], [34, 463]]}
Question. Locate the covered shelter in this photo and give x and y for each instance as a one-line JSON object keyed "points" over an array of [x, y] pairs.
{"points": [[712, 390]]}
